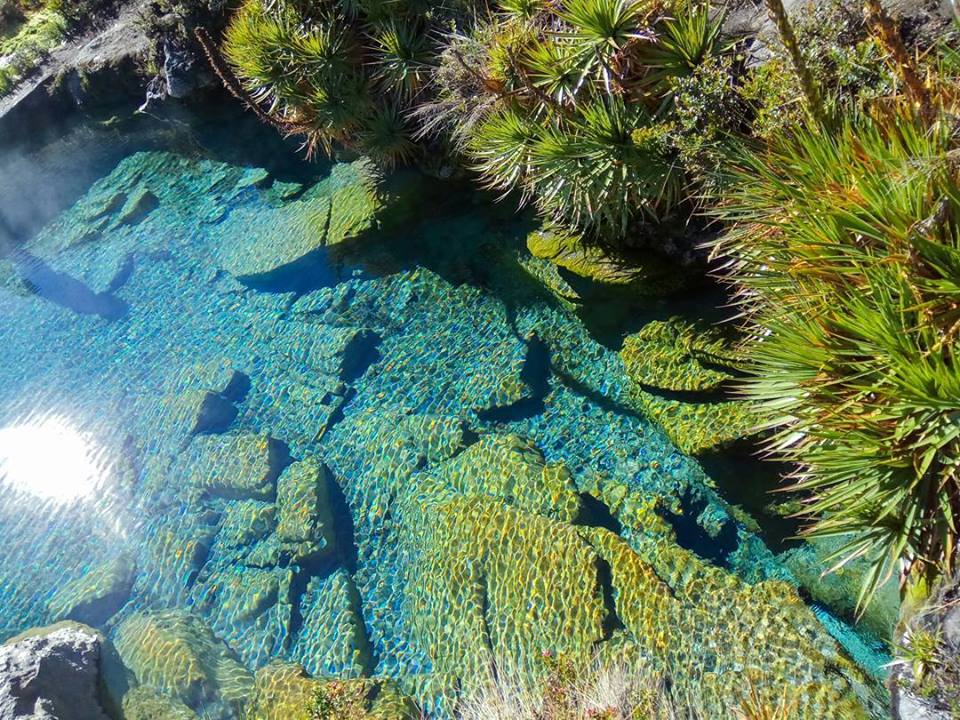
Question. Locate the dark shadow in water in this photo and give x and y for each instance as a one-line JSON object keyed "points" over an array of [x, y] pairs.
{"points": [[360, 355], [536, 376], [745, 479], [62, 289], [595, 513], [693, 537]]}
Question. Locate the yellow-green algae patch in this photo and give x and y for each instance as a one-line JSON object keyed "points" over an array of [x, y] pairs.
{"points": [[283, 691], [500, 580]]}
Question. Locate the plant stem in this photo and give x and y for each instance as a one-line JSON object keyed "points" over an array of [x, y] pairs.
{"points": [[885, 30], [778, 14]]}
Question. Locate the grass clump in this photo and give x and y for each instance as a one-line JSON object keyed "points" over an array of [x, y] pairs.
{"points": [[845, 254]]}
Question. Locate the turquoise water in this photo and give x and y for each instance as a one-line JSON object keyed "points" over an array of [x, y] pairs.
{"points": [[181, 375]]}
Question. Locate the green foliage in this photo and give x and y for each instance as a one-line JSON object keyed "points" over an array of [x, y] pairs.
{"points": [[846, 256], [345, 74], [31, 45]]}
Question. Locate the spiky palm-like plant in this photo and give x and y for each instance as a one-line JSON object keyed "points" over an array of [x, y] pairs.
{"points": [[344, 72], [846, 259]]}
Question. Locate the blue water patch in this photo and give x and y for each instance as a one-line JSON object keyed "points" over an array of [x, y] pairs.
{"points": [[196, 350]]}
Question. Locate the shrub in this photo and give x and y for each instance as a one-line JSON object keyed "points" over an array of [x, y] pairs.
{"points": [[845, 256]]}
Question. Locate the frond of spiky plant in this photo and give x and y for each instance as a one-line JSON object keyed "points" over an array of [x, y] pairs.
{"points": [[280, 60], [846, 257], [680, 45], [600, 30], [500, 149], [404, 58], [605, 170], [553, 69], [386, 138], [522, 9]]}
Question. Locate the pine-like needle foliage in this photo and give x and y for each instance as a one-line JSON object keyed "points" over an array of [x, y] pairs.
{"points": [[569, 105], [846, 250], [342, 72]]}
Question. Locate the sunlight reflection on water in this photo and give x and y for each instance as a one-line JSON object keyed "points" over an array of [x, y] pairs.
{"points": [[52, 460]]}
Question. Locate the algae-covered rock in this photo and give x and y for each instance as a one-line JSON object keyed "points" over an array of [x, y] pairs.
{"points": [[144, 703], [513, 470], [236, 466], [249, 608], [284, 691], [494, 583], [676, 355], [245, 522], [176, 653], [304, 522], [257, 247], [95, 596], [571, 252], [333, 640]]}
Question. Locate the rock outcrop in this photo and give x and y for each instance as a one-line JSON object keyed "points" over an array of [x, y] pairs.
{"points": [[53, 673]]}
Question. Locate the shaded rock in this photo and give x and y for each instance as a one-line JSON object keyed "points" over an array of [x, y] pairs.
{"points": [[52, 673], [256, 248], [332, 641], [94, 597], [513, 470], [248, 607], [569, 251], [140, 204], [676, 355], [144, 703], [176, 653], [236, 466], [246, 522], [210, 413], [304, 522]]}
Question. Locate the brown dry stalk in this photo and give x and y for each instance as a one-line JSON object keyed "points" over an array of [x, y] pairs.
{"points": [[885, 30], [778, 14], [232, 83]]}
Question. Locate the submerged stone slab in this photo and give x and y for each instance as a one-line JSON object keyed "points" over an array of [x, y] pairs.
{"points": [[304, 521], [258, 248], [332, 641], [236, 466], [144, 703], [176, 653], [95, 596]]}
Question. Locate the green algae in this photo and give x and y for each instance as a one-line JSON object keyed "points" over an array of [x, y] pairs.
{"points": [[176, 653]]}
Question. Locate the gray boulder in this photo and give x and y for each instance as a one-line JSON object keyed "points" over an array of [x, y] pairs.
{"points": [[52, 673]]}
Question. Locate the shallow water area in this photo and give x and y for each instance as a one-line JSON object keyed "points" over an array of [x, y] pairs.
{"points": [[294, 414]]}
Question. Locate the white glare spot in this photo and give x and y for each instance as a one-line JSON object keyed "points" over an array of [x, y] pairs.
{"points": [[50, 459]]}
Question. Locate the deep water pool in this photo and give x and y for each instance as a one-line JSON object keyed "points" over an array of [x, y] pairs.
{"points": [[253, 417]]}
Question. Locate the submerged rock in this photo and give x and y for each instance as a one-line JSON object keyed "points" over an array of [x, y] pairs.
{"points": [[236, 466], [258, 248], [95, 596], [176, 653], [284, 691], [304, 521], [53, 673], [333, 640], [572, 253], [144, 703]]}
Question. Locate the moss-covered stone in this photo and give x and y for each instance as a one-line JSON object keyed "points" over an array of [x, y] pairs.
{"points": [[569, 251], [145, 703], [332, 641], [304, 521], [676, 355], [340, 207], [284, 691], [513, 470], [236, 466], [176, 653], [96, 595]]}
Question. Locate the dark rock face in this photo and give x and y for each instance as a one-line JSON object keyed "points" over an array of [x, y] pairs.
{"points": [[52, 674]]}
